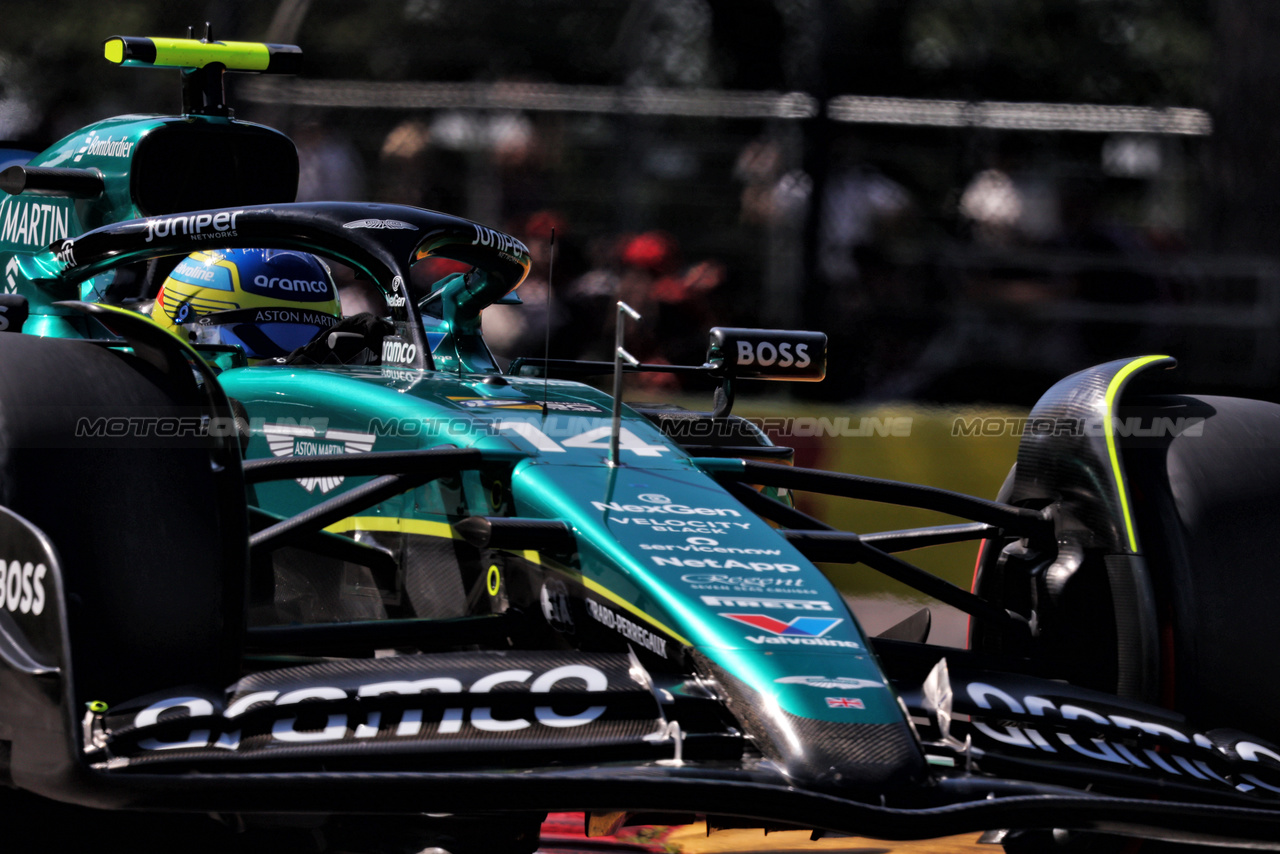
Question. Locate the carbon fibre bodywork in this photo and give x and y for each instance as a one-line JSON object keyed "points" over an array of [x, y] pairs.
{"points": [[420, 583]]}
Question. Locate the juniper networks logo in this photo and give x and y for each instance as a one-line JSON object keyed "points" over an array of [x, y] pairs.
{"points": [[304, 440]]}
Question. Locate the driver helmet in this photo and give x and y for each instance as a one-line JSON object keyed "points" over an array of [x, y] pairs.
{"points": [[268, 302]]}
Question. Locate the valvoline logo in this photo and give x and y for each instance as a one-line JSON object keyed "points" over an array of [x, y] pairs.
{"points": [[800, 627]]}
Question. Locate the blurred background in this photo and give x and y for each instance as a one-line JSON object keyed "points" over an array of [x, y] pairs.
{"points": [[972, 198]]}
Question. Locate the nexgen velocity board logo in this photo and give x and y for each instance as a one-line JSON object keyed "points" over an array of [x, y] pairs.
{"points": [[798, 627]]}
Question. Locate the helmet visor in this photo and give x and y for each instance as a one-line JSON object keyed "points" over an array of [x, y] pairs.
{"points": [[261, 333]]}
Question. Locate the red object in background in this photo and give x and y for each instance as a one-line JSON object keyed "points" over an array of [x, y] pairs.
{"points": [[565, 832], [538, 226], [435, 269], [655, 251]]}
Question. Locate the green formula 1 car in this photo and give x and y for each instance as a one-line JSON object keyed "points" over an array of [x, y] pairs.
{"points": [[273, 575]]}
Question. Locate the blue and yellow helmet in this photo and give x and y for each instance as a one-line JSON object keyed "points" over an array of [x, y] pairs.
{"points": [[268, 302]]}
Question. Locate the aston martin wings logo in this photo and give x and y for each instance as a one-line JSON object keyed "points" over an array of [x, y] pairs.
{"points": [[847, 683], [289, 440], [380, 223]]}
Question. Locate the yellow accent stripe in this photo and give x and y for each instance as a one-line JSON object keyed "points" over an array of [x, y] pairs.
{"points": [[190, 53], [394, 525], [624, 604], [1113, 390], [219, 261]]}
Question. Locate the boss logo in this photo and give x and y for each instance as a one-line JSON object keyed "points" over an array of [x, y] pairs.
{"points": [[769, 354], [22, 587], [398, 351], [766, 354]]}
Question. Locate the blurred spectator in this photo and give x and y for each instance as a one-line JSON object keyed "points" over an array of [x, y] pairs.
{"points": [[771, 193], [646, 271], [858, 203], [329, 168], [404, 170], [993, 204], [521, 330]]}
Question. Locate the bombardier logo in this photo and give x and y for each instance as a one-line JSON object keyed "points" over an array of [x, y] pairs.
{"points": [[289, 440], [108, 147]]}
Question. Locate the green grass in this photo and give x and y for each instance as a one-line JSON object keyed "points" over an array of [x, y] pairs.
{"points": [[931, 454]]}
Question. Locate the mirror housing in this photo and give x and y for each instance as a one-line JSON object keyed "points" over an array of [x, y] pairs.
{"points": [[768, 354]]}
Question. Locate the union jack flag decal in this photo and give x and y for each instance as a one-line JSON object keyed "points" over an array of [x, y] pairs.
{"points": [[844, 703]]}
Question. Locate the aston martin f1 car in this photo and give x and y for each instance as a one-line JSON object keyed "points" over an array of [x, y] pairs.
{"points": [[381, 593]]}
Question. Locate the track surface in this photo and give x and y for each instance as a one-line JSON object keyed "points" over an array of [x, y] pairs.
{"points": [[693, 840], [562, 833]]}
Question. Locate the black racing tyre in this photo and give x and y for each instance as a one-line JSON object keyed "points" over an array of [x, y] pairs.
{"points": [[1207, 508], [153, 551], [1205, 497]]}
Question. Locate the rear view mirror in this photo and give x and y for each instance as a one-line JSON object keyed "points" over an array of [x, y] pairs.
{"points": [[768, 354]]}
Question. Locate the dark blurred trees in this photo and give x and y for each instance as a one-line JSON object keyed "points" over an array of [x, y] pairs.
{"points": [[1244, 170], [1144, 52]]}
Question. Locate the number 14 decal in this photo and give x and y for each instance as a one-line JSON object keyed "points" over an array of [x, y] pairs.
{"points": [[597, 438]]}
